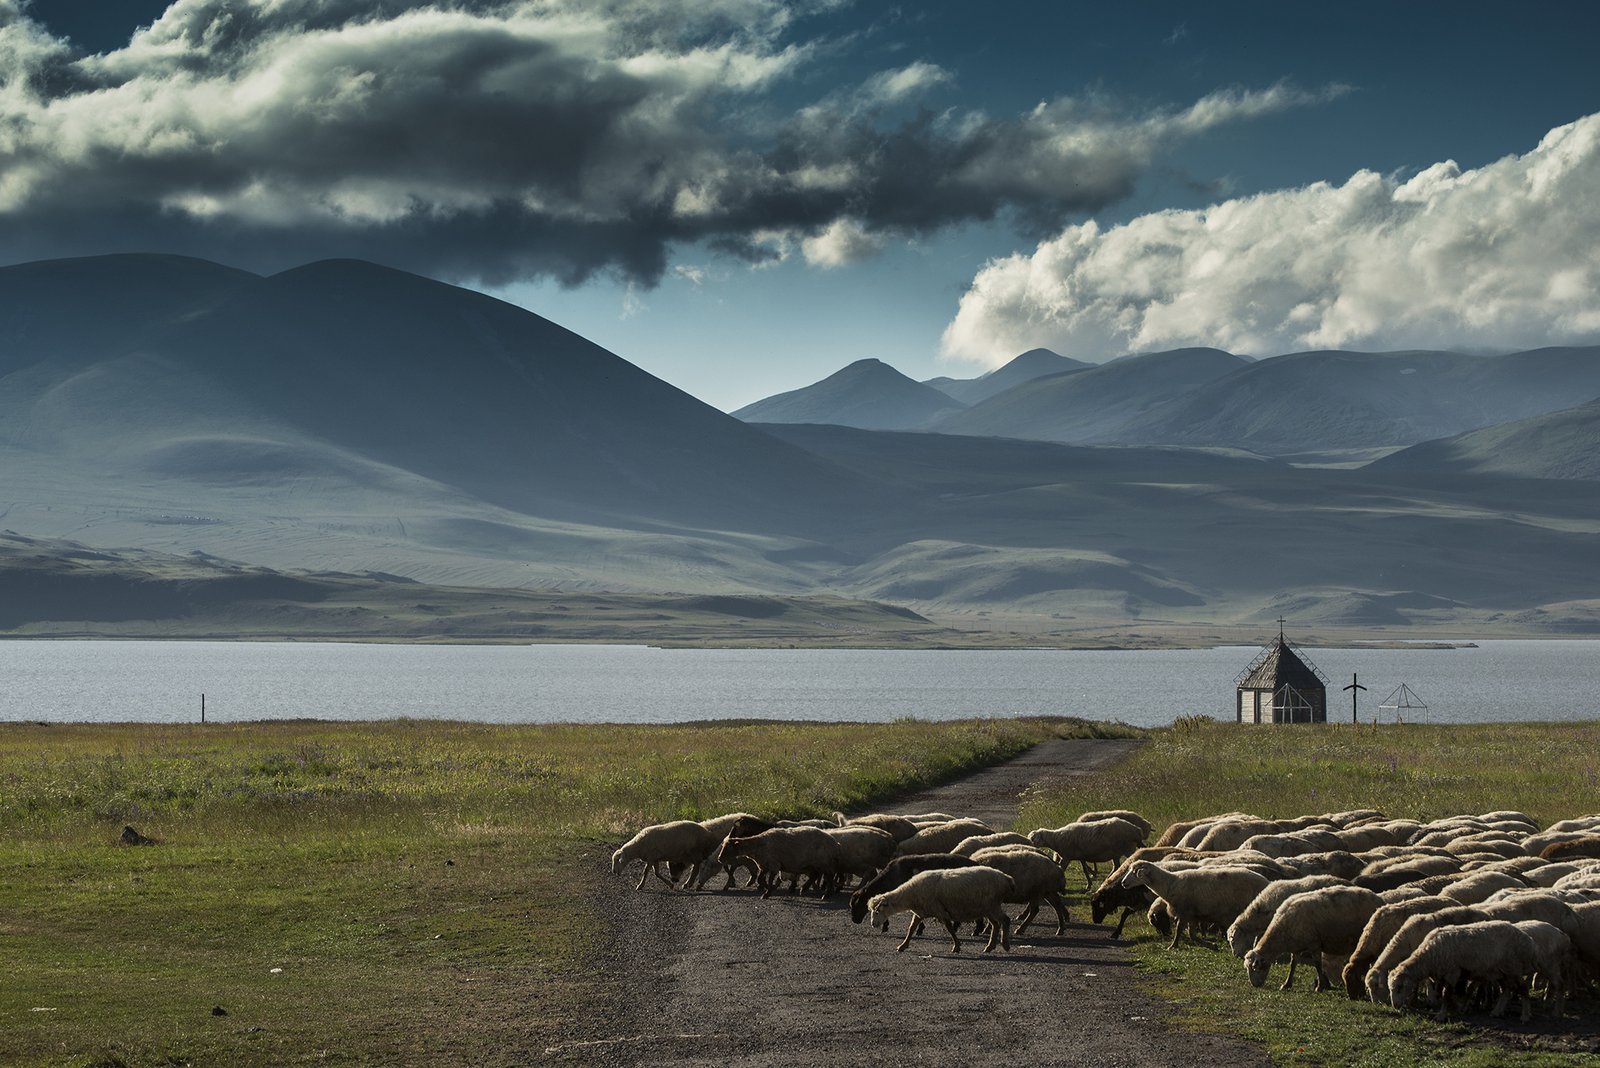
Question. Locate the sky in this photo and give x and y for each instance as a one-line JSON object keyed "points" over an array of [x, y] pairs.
{"points": [[742, 196]]}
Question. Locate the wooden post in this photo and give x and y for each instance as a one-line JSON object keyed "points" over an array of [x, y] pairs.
{"points": [[1353, 688], [202, 708]]}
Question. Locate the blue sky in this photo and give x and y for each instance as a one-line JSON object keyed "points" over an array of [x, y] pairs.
{"points": [[727, 299]]}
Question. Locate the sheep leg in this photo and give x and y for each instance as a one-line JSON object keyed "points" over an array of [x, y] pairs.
{"points": [[643, 875], [1178, 927], [911, 929], [1062, 916], [1027, 916], [1118, 932], [694, 873], [1088, 880], [656, 867], [1289, 982], [955, 943]]}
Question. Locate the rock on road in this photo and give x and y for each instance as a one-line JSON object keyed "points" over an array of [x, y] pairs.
{"points": [[726, 978]]}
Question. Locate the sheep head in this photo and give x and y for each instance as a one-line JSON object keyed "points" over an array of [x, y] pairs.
{"points": [[1256, 966], [1136, 874]]}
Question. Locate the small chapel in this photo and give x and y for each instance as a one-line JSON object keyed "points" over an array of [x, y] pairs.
{"points": [[1281, 685]]}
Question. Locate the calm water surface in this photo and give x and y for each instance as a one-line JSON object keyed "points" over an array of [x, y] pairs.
{"points": [[162, 682]]}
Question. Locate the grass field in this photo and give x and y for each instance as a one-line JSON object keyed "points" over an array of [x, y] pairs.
{"points": [[366, 893], [1199, 767]]}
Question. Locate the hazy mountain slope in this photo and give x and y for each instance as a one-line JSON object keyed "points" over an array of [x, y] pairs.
{"points": [[346, 366], [1562, 444], [868, 394], [1035, 363], [1094, 405], [1315, 401]]}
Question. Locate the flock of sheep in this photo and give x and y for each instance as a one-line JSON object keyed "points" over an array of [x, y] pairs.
{"points": [[1486, 907]]}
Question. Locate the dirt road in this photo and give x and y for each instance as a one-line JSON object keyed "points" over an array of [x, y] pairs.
{"points": [[726, 978]]}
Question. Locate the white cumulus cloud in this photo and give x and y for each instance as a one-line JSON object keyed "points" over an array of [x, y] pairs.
{"points": [[1504, 256]]}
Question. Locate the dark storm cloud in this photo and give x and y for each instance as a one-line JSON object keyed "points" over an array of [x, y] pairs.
{"points": [[495, 141]]}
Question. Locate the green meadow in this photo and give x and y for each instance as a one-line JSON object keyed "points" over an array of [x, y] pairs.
{"points": [[368, 893], [1199, 767], [374, 893]]}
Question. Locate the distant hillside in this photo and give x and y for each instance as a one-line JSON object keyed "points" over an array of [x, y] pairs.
{"points": [[868, 394], [1563, 444], [1035, 363], [1096, 404], [1316, 401]]}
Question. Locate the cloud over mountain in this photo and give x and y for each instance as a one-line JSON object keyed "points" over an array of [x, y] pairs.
{"points": [[1504, 256], [493, 140]]}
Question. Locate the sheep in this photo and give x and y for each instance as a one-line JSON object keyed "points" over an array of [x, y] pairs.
{"points": [[1554, 956], [897, 826], [808, 851], [1176, 832], [952, 896], [940, 837], [1089, 843], [1205, 895], [895, 873], [1405, 942], [1231, 834], [1318, 923], [718, 826], [1335, 862], [1389, 876], [968, 846], [1256, 917], [1492, 951], [680, 842], [1578, 848], [1380, 930], [1117, 813], [1036, 878], [1551, 872], [863, 851], [1480, 885], [1112, 895]]}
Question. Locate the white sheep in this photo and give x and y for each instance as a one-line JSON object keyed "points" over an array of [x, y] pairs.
{"points": [[1554, 955], [1037, 880], [1380, 930], [898, 826], [1175, 833], [1109, 839], [968, 846], [863, 851], [1334, 862], [1205, 895], [952, 896], [1492, 951], [683, 842], [1480, 885], [1318, 923], [1117, 813], [941, 837], [1405, 942], [1256, 917], [795, 851]]}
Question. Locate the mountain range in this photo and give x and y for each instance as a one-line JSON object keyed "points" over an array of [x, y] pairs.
{"points": [[1305, 404], [347, 418]]}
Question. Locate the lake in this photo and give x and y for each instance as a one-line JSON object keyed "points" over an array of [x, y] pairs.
{"points": [[105, 681]]}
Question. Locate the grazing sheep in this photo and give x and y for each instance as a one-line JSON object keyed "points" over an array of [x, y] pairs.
{"points": [[896, 873], [1036, 878], [941, 837], [1090, 843], [1177, 832], [863, 851], [968, 846], [953, 897], [679, 842], [1479, 886], [1552, 872], [1405, 942], [1231, 834], [1117, 813], [1389, 876], [1554, 956], [1257, 916], [1492, 951], [897, 826], [1323, 922], [1112, 895], [1587, 848], [1380, 930], [795, 851], [1204, 895], [1335, 862]]}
